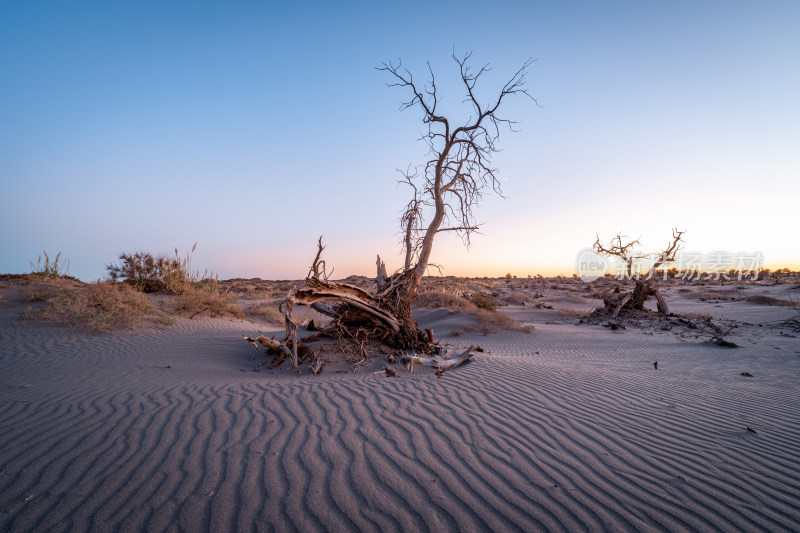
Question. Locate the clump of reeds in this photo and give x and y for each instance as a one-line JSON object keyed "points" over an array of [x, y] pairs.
{"points": [[49, 269]]}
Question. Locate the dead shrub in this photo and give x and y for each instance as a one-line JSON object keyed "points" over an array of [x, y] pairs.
{"points": [[492, 322], [270, 313], [202, 300], [489, 321], [760, 299], [518, 299], [484, 301], [433, 299]]}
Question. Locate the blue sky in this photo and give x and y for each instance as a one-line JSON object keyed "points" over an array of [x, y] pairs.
{"points": [[254, 127]]}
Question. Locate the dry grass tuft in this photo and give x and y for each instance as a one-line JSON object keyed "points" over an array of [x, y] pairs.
{"points": [[518, 299], [576, 298], [569, 312], [202, 299], [447, 300], [492, 322], [95, 307], [489, 320]]}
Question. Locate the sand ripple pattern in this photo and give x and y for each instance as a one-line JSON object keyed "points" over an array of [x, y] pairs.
{"points": [[96, 434]]}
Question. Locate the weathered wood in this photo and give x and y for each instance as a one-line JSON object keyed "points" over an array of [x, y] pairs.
{"points": [[663, 308], [627, 298], [266, 342], [441, 364], [316, 291], [429, 332], [380, 278]]}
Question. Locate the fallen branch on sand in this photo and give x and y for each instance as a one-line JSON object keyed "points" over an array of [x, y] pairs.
{"points": [[441, 364], [716, 331]]}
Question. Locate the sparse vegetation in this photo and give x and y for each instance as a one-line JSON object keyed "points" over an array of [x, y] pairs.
{"points": [[95, 307], [198, 294], [488, 319]]}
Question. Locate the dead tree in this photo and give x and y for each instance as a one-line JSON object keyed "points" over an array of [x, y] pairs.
{"points": [[645, 284], [446, 190]]}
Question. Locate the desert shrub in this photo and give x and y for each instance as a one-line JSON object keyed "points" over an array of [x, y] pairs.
{"points": [[768, 300], [141, 270], [484, 301], [163, 273], [96, 307]]}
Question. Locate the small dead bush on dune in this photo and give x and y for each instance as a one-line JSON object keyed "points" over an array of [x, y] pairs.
{"points": [[760, 299], [266, 310], [433, 299], [518, 299], [96, 307], [569, 312], [205, 300], [489, 320], [492, 322], [576, 298], [484, 301]]}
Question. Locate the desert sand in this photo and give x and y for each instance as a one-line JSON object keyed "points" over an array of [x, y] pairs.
{"points": [[568, 428]]}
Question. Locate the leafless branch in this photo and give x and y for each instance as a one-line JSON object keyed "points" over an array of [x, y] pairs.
{"points": [[452, 183]]}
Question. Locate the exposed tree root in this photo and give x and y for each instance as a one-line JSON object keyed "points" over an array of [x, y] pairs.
{"points": [[357, 318]]}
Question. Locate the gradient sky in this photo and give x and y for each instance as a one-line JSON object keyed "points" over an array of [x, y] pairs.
{"points": [[254, 127]]}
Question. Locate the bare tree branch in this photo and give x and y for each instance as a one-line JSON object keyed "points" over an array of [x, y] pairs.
{"points": [[451, 184]]}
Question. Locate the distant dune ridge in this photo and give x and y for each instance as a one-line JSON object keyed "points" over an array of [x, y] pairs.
{"points": [[568, 428]]}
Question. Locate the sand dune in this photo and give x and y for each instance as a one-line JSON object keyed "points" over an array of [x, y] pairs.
{"points": [[566, 429]]}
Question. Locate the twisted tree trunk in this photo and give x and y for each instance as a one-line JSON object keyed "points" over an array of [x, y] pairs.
{"points": [[616, 300]]}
